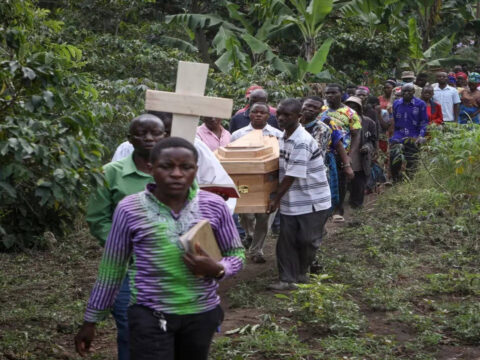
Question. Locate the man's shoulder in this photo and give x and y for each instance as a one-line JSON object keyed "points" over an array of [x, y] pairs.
{"points": [[368, 120], [348, 111], [419, 102], [241, 111], [211, 201], [321, 126], [116, 166], [238, 116], [302, 138], [241, 131], [131, 201], [273, 131]]}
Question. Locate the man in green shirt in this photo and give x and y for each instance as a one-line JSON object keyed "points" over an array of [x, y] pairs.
{"points": [[124, 177]]}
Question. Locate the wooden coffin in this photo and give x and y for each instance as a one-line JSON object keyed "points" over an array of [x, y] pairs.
{"points": [[252, 163]]}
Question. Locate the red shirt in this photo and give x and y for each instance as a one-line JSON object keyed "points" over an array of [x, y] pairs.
{"points": [[385, 103], [437, 117]]}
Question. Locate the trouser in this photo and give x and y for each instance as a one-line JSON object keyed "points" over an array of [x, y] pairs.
{"points": [[119, 313], [187, 337], [409, 151], [300, 237], [342, 187], [240, 229], [357, 189], [256, 226], [276, 220]]}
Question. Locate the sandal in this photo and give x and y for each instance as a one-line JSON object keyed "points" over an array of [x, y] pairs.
{"points": [[338, 219]]}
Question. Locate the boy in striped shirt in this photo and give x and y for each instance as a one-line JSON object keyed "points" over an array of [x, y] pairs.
{"points": [[303, 197], [174, 307]]}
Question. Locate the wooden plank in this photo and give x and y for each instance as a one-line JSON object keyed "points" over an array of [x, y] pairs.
{"points": [[252, 167], [185, 126], [191, 78], [187, 104]]}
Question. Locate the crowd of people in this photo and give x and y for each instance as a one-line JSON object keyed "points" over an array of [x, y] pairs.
{"points": [[331, 144]]}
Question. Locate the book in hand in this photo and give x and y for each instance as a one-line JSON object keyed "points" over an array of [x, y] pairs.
{"points": [[225, 190], [202, 234]]}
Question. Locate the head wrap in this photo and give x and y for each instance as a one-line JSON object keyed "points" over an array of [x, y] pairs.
{"points": [[461, 74], [391, 82], [474, 77], [364, 88], [252, 88]]}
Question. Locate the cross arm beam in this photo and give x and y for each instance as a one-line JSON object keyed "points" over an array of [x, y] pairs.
{"points": [[185, 104]]}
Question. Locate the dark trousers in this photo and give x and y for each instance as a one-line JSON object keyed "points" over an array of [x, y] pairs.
{"points": [[342, 187], [300, 237], [409, 151], [188, 337], [357, 189]]}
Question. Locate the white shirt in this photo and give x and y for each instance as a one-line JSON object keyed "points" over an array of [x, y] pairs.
{"points": [[268, 130], [210, 171], [300, 158], [446, 97]]}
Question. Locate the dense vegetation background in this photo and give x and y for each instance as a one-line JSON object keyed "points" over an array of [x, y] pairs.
{"points": [[73, 73]]}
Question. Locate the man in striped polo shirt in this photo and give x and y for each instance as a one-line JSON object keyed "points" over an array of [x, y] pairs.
{"points": [[174, 306], [303, 196]]}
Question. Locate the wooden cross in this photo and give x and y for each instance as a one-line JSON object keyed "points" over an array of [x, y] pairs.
{"points": [[188, 103]]}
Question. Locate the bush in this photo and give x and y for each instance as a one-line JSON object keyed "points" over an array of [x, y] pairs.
{"points": [[325, 307], [48, 142], [454, 159]]}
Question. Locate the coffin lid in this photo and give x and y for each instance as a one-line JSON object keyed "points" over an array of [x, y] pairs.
{"points": [[251, 147]]}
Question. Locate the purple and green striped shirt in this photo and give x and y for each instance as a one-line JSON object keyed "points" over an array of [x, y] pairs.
{"points": [[146, 233]]}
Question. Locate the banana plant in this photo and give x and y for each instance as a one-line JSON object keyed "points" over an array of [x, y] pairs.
{"points": [[309, 19], [239, 48], [436, 55]]}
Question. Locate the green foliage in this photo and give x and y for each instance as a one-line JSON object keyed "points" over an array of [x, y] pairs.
{"points": [[107, 15], [266, 340], [234, 85], [466, 322], [246, 295], [455, 282], [454, 158], [48, 145], [325, 307], [240, 47], [309, 19], [437, 53], [384, 347], [374, 58]]}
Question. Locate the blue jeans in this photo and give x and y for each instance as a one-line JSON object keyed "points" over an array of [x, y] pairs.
{"points": [[240, 230], [119, 313]]}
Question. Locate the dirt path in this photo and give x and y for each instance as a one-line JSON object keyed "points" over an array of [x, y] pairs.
{"points": [[235, 318]]}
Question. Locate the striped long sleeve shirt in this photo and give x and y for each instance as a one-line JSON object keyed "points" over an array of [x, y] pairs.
{"points": [[145, 232]]}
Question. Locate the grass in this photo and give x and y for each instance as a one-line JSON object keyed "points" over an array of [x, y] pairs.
{"points": [[403, 283], [45, 295]]}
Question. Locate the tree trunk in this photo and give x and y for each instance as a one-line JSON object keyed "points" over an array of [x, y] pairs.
{"points": [[309, 48], [202, 45], [200, 37]]}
